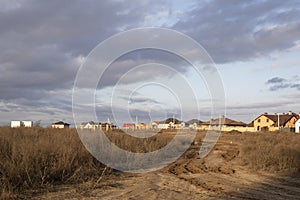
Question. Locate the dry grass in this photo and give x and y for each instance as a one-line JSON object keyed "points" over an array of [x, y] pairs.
{"points": [[271, 151], [37, 158]]}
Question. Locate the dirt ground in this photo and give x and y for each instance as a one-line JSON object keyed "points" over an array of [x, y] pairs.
{"points": [[220, 175]]}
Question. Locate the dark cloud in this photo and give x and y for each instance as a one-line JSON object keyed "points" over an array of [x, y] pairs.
{"points": [[136, 59], [278, 83], [297, 86], [276, 80], [243, 30], [43, 43], [279, 87]]}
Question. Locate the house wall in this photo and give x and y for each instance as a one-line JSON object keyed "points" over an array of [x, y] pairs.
{"points": [[89, 126], [193, 126], [15, 124], [291, 123], [228, 128], [297, 126], [239, 128], [143, 126], [58, 126], [264, 121], [27, 123], [163, 126]]}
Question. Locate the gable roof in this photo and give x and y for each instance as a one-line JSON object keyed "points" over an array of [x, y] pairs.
{"points": [[167, 121], [283, 118], [192, 121], [225, 121], [61, 123]]}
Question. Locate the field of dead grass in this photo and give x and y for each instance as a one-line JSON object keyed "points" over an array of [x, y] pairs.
{"points": [[38, 158]]}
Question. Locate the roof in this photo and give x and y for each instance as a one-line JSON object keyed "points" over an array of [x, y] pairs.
{"points": [[128, 124], [93, 123], [283, 118], [60, 123], [192, 121], [225, 121], [167, 121], [251, 124]]}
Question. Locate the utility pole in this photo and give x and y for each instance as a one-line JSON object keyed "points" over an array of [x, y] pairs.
{"points": [[136, 122], [278, 121]]}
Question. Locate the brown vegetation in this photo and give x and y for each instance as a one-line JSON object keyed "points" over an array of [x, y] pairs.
{"points": [[271, 151], [36, 158], [32, 158]]}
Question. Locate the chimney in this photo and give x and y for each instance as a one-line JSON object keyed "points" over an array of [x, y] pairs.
{"points": [[290, 112]]}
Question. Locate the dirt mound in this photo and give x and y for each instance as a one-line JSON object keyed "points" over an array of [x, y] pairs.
{"points": [[218, 161]]}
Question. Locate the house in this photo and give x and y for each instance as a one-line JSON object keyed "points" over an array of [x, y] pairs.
{"points": [[97, 125], [107, 126], [193, 123], [164, 126], [226, 124], [16, 124], [143, 126], [223, 121], [129, 126], [170, 123], [297, 126], [60, 124], [275, 122], [154, 125], [89, 125]]}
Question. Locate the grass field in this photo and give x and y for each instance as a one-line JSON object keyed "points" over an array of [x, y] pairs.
{"points": [[38, 158]]}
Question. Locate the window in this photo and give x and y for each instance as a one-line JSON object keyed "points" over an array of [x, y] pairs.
{"points": [[258, 120], [267, 120]]}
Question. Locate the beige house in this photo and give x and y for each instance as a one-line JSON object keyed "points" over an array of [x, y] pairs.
{"points": [[60, 124], [143, 126], [275, 122], [226, 124]]}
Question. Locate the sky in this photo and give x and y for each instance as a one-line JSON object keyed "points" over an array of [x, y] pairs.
{"points": [[255, 46]]}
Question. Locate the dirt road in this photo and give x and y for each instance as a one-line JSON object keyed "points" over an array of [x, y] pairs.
{"points": [[219, 176]]}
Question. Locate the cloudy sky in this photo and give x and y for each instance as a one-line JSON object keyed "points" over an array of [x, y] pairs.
{"points": [[254, 44]]}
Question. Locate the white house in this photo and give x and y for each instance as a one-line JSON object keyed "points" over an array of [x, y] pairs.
{"points": [[163, 126], [28, 123], [193, 126], [297, 126], [87, 125], [16, 124]]}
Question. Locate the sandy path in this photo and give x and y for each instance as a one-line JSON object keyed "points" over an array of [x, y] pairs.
{"points": [[218, 176]]}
